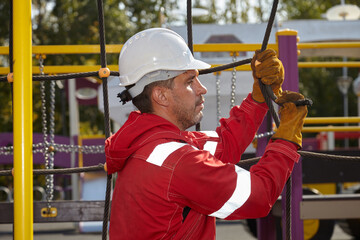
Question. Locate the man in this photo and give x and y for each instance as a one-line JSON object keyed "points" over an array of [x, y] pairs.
{"points": [[162, 169]]}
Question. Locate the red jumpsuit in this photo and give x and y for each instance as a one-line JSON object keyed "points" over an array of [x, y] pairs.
{"points": [[161, 170]]}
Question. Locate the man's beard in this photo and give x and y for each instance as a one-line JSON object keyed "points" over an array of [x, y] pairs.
{"points": [[186, 115]]}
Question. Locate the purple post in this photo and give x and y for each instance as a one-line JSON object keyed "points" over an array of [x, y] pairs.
{"points": [[288, 54], [266, 229]]}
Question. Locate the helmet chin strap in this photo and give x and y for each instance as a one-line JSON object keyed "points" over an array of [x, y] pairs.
{"points": [[125, 95], [132, 91]]}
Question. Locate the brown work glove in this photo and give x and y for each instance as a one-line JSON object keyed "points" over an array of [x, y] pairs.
{"points": [[266, 66], [291, 118]]}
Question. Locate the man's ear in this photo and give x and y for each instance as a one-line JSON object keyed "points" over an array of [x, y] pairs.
{"points": [[160, 95]]}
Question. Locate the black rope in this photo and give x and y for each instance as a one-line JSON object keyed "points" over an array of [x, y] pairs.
{"points": [[106, 112], [266, 89], [288, 209], [64, 76], [248, 162], [243, 163], [67, 76], [312, 155], [190, 37], [189, 25], [11, 54], [225, 66], [11, 63], [328, 157], [269, 98], [11, 43], [190, 45]]}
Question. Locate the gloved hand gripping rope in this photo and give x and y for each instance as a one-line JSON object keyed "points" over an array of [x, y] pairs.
{"points": [[269, 69]]}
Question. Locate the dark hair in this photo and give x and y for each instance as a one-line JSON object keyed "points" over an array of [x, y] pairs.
{"points": [[143, 100]]}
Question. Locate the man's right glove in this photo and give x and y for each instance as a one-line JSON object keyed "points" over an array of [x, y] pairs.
{"points": [[292, 118]]}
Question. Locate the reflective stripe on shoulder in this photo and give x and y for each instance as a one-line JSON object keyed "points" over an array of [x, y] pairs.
{"points": [[210, 145], [210, 133], [162, 151], [239, 196]]}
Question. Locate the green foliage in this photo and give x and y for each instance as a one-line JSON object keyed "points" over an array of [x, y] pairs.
{"points": [[319, 84], [91, 122], [60, 124], [6, 124], [210, 18], [311, 9], [236, 11], [5, 20]]}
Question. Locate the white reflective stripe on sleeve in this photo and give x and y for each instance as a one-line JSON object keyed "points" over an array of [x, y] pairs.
{"points": [[239, 196], [210, 133], [162, 151], [210, 145]]}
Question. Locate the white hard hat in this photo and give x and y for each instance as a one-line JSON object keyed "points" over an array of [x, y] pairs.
{"points": [[152, 55]]}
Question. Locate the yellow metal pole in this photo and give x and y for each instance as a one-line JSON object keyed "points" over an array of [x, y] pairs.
{"points": [[23, 177], [332, 129], [80, 155], [328, 64], [90, 68], [327, 120], [208, 47], [329, 45]]}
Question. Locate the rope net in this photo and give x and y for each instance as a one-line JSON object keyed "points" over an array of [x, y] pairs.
{"points": [[49, 142]]}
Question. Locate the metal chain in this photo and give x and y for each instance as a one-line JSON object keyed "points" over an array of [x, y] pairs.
{"points": [[43, 101], [41, 65], [266, 134], [218, 103], [233, 83], [50, 163], [43, 112], [39, 148], [45, 145], [48, 154], [92, 149], [6, 150], [52, 113]]}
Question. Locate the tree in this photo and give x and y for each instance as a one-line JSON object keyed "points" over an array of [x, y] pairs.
{"points": [[236, 11], [5, 19], [212, 17], [64, 22], [312, 9], [5, 89], [319, 84]]}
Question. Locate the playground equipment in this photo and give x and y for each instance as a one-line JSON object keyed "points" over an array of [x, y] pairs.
{"points": [[70, 211]]}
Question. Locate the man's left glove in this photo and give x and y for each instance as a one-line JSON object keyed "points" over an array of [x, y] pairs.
{"points": [[266, 66], [292, 118]]}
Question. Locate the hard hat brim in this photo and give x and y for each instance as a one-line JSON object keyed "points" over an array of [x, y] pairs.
{"points": [[197, 64], [194, 64]]}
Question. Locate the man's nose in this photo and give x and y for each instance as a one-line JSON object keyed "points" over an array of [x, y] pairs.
{"points": [[201, 89]]}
